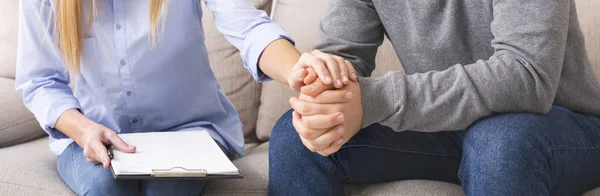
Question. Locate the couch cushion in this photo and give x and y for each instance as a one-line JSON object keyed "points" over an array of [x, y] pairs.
{"points": [[8, 38], [254, 166], [589, 17], [291, 14], [595, 192], [30, 169], [236, 81], [17, 124], [407, 187]]}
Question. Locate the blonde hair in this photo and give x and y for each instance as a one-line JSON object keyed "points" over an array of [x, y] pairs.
{"points": [[68, 30]]}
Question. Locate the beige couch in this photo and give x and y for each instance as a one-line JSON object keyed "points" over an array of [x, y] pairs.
{"points": [[27, 167]]}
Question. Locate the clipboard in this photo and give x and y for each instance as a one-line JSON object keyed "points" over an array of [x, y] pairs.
{"points": [[187, 154], [175, 174]]}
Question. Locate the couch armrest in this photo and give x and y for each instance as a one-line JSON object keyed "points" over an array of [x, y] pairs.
{"points": [[17, 124]]}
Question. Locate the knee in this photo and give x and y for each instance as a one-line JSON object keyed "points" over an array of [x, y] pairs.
{"points": [[90, 190], [283, 132], [285, 143], [505, 145], [506, 136]]}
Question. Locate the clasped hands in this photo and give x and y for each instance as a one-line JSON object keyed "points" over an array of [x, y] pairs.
{"points": [[328, 111]]}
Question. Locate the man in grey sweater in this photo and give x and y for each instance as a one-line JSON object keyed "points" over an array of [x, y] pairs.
{"points": [[496, 95]]}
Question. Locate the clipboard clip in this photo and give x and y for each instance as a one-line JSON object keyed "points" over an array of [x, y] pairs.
{"points": [[179, 172]]}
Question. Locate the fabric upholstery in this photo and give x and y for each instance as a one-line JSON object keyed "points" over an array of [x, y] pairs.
{"points": [[17, 124], [254, 166], [408, 187], [595, 192], [236, 81], [589, 18], [30, 169], [8, 37]]}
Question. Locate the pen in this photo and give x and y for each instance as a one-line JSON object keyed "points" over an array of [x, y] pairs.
{"points": [[110, 152]]}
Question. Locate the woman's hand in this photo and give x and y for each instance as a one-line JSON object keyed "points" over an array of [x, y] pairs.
{"points": [[94, 139], [91, 136], [331, 69]]}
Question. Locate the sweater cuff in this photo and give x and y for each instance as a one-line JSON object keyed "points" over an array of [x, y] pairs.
{"points": [[381, 98]]}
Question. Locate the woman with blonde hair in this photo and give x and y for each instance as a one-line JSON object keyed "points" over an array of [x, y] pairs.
{"points": [[142, 66]]}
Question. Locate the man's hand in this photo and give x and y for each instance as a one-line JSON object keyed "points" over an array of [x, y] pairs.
{"points": [[325, 118]]}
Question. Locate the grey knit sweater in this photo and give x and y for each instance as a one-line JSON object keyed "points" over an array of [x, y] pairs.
{"points": [[463, 60]]}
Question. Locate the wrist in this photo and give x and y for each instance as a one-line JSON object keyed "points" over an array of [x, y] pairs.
{"points": [[278, 59], [74, 124]]}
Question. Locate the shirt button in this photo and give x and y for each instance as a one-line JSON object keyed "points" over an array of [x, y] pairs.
{"points": [[118, 26], [128, 93], [135, 120], [122, 62]]}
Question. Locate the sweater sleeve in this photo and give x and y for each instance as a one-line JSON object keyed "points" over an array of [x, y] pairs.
{"points": [[352, 29], [522, 75]]}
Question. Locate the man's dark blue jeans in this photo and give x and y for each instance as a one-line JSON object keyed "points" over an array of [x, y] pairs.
{"points": [[508, 154]]}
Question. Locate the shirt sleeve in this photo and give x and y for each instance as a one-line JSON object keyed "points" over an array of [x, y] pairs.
{"points": [[248, 29], [41, 77]]}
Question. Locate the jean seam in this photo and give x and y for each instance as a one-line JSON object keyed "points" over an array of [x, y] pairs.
{"points": [[410, 150], [459, 172], [77, 176]]}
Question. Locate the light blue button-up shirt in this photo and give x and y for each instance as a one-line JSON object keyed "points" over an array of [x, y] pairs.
{"points": [[129, 86]]}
